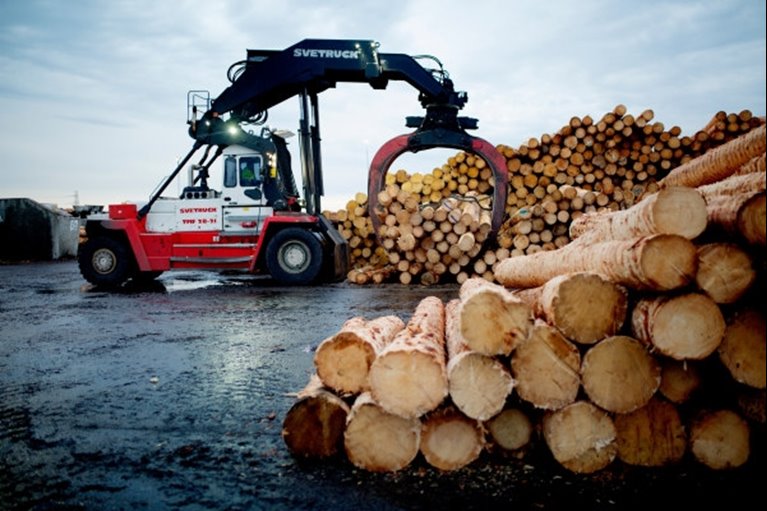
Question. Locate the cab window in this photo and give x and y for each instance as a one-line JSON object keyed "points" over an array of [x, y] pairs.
{"points": [[230, 172], [250, 171]]}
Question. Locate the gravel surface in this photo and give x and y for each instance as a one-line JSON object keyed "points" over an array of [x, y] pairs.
{"points": [[172, 397]]}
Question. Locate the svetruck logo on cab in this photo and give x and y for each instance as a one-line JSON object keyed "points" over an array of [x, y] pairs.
{"points": [[320, 53]]}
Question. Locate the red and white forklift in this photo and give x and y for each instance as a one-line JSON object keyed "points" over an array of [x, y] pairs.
{"points": [[254, 219]]}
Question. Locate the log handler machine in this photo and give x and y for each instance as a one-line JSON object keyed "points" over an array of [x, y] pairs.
{"points": [[255, 219]]}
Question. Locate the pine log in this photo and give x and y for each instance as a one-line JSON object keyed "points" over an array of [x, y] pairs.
{"points": [[492, 320], [720, 439], [674, 210], [584, 306], [741, 215], [752, 404], [619, 374], [581, 437], [449, 439], [652, 436], [679, 379], [409, 376], [546, 368], [344, 359], [743, 348], [735, 185], [720, 162], [725, 271], [661, 262], [314, 425], [478, 384], [685, 326], [377, 440], [511, 429]]}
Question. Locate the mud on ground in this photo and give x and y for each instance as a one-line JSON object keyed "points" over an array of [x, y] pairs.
{"points": [[172, 396]]}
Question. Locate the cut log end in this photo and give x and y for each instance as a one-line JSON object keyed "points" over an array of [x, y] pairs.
{"points": [[743, 348], [314, 425], [680, 210], [725, 271], [511, 429], [669, 262], [344, 363], [581, 437], [652, 436], [450, 440], [720, 439], [479, 385]]}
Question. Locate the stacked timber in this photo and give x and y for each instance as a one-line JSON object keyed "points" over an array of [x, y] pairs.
{"points": [[591, 164]]}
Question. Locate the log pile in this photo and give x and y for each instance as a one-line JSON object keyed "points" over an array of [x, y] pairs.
{"points": [[641, 341], [434, 225]]}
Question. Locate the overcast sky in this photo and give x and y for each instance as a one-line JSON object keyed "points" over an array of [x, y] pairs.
{"points": [[93, 93]]}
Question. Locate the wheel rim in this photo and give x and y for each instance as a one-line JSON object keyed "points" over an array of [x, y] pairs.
{"points": [[294, 257], [104, 261]]}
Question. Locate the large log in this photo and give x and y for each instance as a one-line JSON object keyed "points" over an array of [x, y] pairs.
{"points": [[720, 439], [651, 436], [741, 215], [679, 379], [377, 440], [584, 306], [735, 185], [409, 376], [619, 374], [344, 359], [581, 437], [683, 326], [661, 262], [546, 368], [478, 384], [744, 346], [449, 439], [674, 210], [492, 320], [314, 425], [720, 162], [511, 429], [725, 271]]}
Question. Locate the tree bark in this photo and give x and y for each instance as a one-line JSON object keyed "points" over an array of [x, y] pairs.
{"points": [[720, 439], [686, 326], [450, 440], [343, 360], [661, 262], [619, 374], [492, 320], [377, 440], [546, 369], [743, 348], [478, 384], [652, 436], [314, 425], [409, 376], [584, 306], [581, 437]]}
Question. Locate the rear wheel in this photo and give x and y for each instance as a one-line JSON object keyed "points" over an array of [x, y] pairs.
{"points": [[294, 256], [105, 261]]}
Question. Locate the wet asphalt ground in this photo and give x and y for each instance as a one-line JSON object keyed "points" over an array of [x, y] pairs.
{"points": [[171, 396]]}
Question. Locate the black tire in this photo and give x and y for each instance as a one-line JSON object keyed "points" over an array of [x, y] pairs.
{"points": [[294, 256], [105, 261]]}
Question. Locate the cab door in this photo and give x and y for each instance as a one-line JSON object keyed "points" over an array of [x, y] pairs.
{"points": [[244, 209]]}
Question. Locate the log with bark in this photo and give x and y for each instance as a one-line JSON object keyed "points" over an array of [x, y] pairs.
{"points": [[661, 262], [744, 346], [314, 425], [619, 375], [584, 306], [449, 439], [344, 359], [377, 440], [409, 377], [546, 368], [720, 162], [478, 384], [720, 439], [492, 320], [651, 436], [673, 210], [581, 437], [743, 216], [682, 326]]}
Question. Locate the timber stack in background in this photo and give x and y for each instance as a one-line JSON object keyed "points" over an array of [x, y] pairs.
{"points": [[641, 340], [435, 226]]}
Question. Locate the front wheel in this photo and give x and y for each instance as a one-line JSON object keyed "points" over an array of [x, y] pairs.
{"points": [[105, 261], [294, 256]]}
